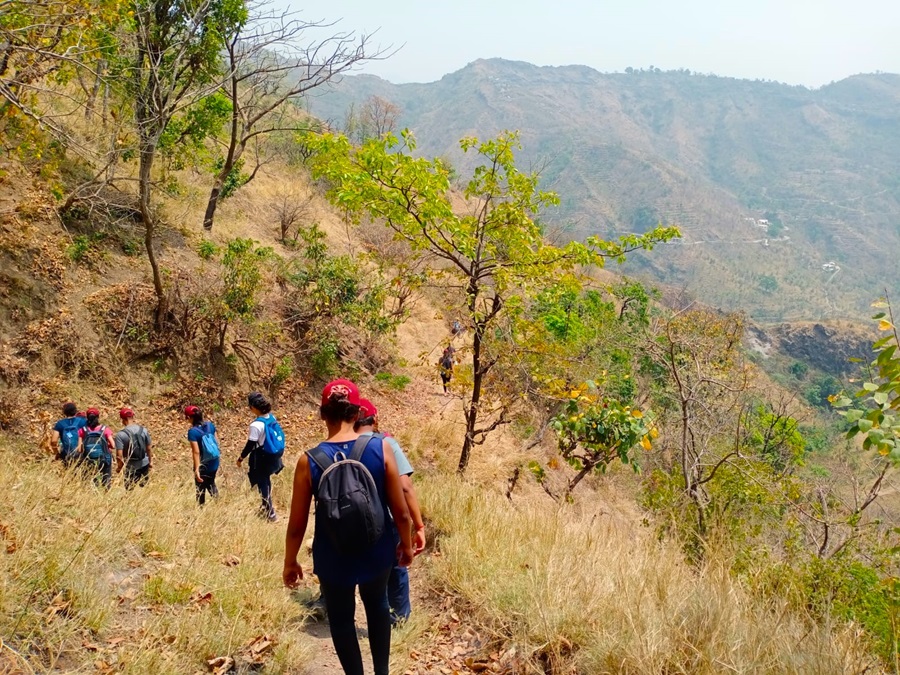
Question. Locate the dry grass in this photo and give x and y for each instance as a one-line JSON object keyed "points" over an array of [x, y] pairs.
{"points": [[142, 581], [576, 592]]}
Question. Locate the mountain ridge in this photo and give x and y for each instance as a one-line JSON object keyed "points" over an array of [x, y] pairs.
{"points": [[708, 153]]}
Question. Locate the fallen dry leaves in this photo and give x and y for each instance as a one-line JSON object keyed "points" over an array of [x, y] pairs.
{"points": [[220, 665]]}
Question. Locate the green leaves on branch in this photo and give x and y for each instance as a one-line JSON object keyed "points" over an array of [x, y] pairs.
{"points": [[878, 418], [594, 430]]}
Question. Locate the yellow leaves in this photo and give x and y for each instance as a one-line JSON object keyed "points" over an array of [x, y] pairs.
{"points": [[885, 325], [645, 443], [637, 414], [832, 398], [654, 433]]}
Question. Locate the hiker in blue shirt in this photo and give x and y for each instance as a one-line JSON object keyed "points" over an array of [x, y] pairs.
{"points": [[398, 582], [369, 564], [204, 453], [265, 447], [65, 434]]}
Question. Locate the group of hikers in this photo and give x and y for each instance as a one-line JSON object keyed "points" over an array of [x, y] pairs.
{"points": [[369, 525]]}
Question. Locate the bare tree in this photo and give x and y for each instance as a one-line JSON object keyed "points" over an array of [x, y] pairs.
{"points": [[291, 207], [700, 352], [272, 65], [175, 63]]}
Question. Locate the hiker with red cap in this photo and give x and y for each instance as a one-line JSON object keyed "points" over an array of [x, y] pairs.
{"points": [[95, 448], [133, 450], [204, 453], [265, 448], [357, 489], [398, 582]]}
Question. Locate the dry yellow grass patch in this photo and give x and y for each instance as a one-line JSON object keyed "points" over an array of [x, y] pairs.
{"points": [[142, 581], [577, 591]]}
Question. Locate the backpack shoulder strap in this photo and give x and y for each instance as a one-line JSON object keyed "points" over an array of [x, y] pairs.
{"points": [[320, 457], [359, 447]]}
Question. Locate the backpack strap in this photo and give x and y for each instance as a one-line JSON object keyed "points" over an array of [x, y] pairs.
{"points": [[359, 447], [320, 457]]}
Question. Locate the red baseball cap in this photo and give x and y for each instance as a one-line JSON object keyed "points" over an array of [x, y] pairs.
{"points": [[92, 411], [126, 413], [346, 387], [190, 410], [367, 408]]}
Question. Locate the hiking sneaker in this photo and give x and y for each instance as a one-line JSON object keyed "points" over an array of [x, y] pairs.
{"points": [[316, 608]]}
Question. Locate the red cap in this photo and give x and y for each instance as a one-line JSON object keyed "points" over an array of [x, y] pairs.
{"points": [[126, 413], [92, 411], [367, 408], [346, 387], [190, 410], [81, 414]]}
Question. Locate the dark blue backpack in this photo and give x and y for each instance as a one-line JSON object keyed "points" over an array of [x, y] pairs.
{"points": [[348, 507], [96, 445], [274, 444], [68, 436], [209, 446]]}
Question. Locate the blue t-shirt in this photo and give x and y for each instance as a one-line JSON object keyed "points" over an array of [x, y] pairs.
{"points": [[404, 468], [328, 563], [67, 428], [195, 434]]}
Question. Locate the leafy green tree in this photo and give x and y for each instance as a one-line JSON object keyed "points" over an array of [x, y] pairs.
{"points": [[493, 252], [43, 40], [593, 430]]}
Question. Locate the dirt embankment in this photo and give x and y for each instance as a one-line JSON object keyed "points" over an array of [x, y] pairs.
{"points": [[825, 346]]}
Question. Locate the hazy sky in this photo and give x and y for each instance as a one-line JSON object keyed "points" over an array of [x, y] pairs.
{"points": [[807, 42]]}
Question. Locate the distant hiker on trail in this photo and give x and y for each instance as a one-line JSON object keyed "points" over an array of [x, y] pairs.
{"points": [[65, 434], [446, 366], [355, 481], [133, 450], [265, 446], [456, 328], [398, 582], [95, 448], [204, 453]]}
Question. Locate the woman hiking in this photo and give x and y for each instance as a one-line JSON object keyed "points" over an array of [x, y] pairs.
{"points": [[95, 448], [204, 453], [343, 563], [65, 434], [265, 447]]}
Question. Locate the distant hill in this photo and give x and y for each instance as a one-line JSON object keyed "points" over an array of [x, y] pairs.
{"points": [[713, 155]]}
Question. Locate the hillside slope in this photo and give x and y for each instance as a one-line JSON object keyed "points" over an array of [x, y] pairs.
{"points": [[712, 155], [119, 582]]}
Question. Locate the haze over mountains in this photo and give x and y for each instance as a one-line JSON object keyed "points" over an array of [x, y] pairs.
{"points": [[713, 155]]}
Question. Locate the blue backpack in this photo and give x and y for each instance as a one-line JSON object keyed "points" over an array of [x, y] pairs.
{"points": [[209, 446], [274, 444], [96, 446], [68, 436]]}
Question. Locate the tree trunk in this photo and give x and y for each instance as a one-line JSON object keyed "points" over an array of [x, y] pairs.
{"points": [[212, 204], [235, 150], [475, 400], [148, 154]]}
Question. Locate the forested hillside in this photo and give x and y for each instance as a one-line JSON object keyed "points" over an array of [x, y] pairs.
{"points": [[609, 482], [713, 155]]}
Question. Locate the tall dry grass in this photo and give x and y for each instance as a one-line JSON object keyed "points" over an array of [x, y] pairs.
{"points": [[141, 581], [575, 591]]}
